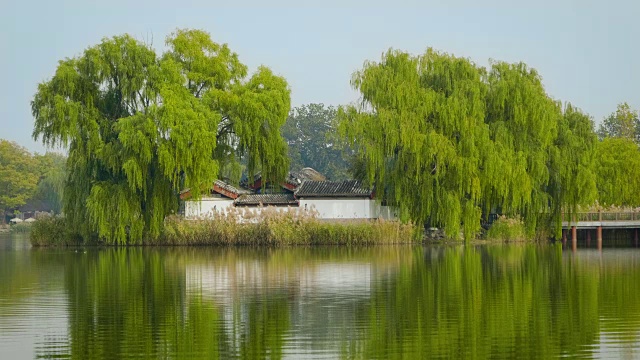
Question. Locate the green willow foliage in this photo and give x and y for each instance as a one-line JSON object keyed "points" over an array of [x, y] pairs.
{"points": [[139, 127], [618, 172], [446, 141], [573, 165]]}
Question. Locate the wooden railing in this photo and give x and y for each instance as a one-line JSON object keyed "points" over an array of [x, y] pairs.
{"points": [[604, 216]]}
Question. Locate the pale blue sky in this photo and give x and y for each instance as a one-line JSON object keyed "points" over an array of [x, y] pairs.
{"points": [[587, 51]]}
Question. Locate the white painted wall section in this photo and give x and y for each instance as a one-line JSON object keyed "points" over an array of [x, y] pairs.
{"points": [[207, 207], [339, 208], [325, 208], [350, 208], [254, 213]]}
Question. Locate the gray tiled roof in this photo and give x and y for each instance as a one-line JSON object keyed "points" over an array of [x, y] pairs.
{"points": [[347, 188], [231, 188], [186, 193], [266, 200]]}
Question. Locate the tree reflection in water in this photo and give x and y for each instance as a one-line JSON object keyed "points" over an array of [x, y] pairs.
{"points": [[381, 302]]}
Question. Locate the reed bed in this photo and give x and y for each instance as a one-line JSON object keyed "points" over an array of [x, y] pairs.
{"points": [[266, 227], [272, 228]]}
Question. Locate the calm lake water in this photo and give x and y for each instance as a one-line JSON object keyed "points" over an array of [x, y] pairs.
{"points": [[359, 303]]}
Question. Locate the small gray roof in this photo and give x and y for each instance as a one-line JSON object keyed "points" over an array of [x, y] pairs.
{"points": [[266, 200], [186, 193], [347, 188], [231, 188]]}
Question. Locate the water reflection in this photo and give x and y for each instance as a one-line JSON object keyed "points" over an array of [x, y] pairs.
{"points": [[381, 302]]}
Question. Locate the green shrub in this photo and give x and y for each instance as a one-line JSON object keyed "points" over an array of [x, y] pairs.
{"points": [[507, 229], [52, 231], [23, 227]]}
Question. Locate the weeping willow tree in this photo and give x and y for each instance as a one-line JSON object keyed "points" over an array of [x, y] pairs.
{"points": [[445, 140], [140, 127], [421, 136]]}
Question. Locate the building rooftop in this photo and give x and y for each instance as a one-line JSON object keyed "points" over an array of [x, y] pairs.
{"points": [[221, 188], [219, 184], [347, 188], [266, 200]]}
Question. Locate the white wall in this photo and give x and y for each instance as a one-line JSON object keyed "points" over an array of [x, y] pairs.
{"points": [[253, 213], [348, 208], [206, 207], [339, 208], [326, 208]]}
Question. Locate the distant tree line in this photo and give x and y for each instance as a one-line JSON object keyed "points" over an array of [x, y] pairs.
{"points": [[310, 132], [27, 177]]}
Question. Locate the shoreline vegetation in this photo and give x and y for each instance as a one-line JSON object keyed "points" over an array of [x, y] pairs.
{"points": [[506, 229], [437, 136], [277, 229], [17, 228], [270, 229]]}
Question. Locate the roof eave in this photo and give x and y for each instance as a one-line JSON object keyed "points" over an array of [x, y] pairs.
{"points": [[334, 196]]}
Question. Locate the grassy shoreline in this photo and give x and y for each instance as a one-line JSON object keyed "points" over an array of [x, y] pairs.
{"points": [[271, 229]]}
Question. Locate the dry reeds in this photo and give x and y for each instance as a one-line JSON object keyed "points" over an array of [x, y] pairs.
{"points": [[259, 227], [268, 227]]}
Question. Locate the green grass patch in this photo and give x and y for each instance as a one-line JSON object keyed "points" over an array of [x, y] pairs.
{"points": [[507, 230]]}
